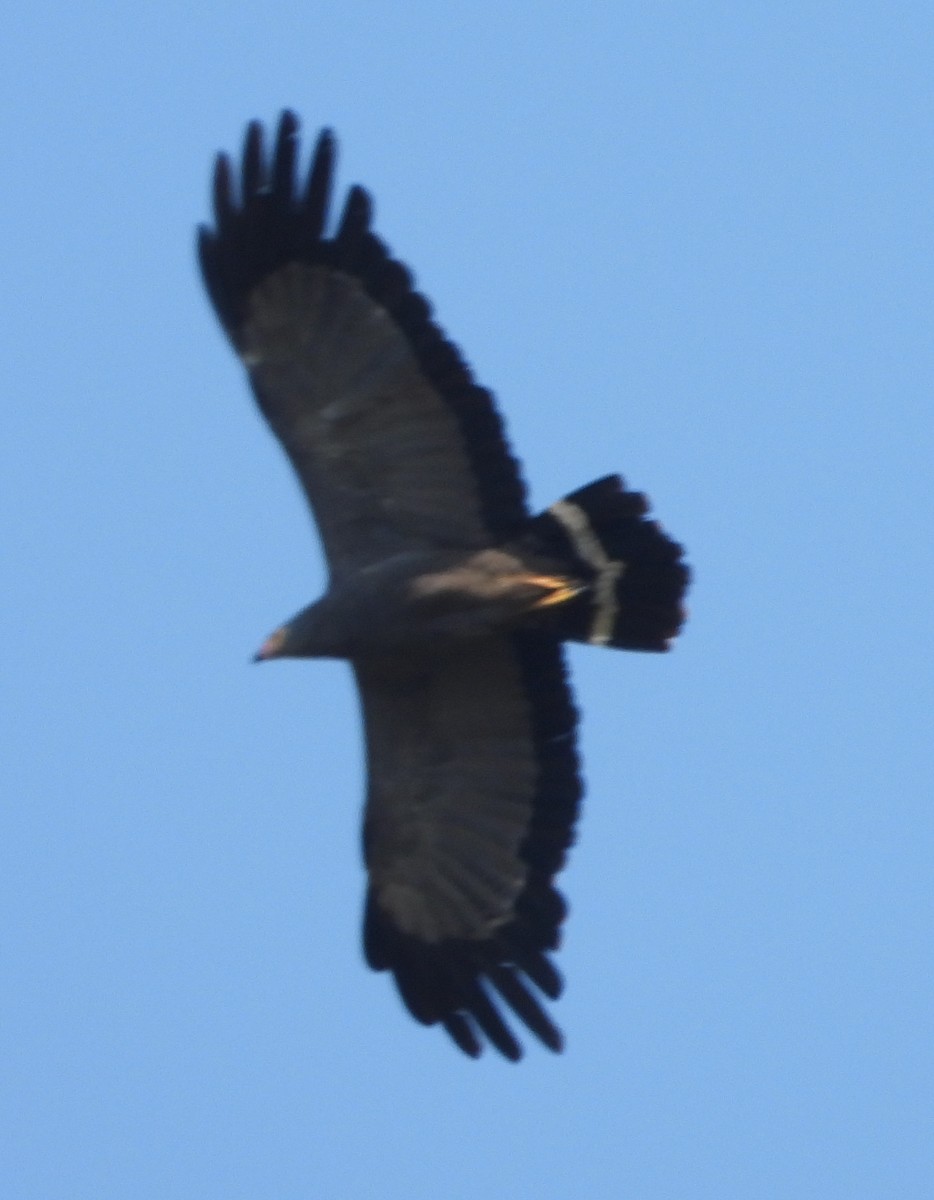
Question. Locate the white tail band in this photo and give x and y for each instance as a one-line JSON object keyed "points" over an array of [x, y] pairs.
{"points": [[588, 547]]}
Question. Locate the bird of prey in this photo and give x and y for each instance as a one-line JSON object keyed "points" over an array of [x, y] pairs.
{"points": [[447, 596]]}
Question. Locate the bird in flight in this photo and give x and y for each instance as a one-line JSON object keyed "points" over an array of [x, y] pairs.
{"points": [[449, 599]]}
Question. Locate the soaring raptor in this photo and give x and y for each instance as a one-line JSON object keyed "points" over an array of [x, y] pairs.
{"points": [[448, 598]]}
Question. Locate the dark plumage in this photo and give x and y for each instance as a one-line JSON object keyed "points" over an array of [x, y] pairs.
{"points": [[448, 598]]}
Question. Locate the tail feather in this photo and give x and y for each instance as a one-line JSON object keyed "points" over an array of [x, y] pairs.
{"points": [[634, 574]]}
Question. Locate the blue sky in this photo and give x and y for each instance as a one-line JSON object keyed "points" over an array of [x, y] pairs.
{"points": [[690, 242]]}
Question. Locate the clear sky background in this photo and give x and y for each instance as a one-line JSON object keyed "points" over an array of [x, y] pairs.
{"points": [[686, 241]]}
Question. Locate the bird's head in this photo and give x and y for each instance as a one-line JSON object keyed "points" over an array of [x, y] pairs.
{"points": [[309, 634]]}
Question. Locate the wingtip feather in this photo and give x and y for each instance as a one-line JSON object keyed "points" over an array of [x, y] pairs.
{"points": [[253, 174], [222, 191]]}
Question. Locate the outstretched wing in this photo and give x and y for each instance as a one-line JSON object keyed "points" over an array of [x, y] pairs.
{"points": [[395, 445], [473, 794]]}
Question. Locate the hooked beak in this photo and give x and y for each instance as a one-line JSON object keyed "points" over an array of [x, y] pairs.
{"points": [[272, 647]]}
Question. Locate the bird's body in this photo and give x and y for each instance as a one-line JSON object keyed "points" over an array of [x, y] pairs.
{"points": [[412, 599], [449, 599]]}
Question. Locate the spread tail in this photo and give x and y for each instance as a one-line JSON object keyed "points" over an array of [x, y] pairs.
{"points": [[633, 575]]}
